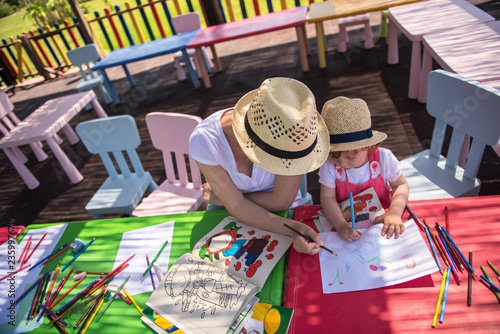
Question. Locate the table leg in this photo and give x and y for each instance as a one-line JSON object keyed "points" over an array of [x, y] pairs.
{"points": [[302, 39], [203, 68], [98, 108], [191, 71], [416, 60], [110, 87], [70, 134], [321, 40], [24, 172], [216, 61], [39, 152], [129, 76], [393, 52], [426, 69], [66, 164]]}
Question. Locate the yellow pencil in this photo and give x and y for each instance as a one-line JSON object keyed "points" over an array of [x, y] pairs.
{"points": [[438, 304], [133, 301], [87, 325]]}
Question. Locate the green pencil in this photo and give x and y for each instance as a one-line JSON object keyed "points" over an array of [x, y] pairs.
{"points": [[112, 298], [494, 269], [156, 257]]}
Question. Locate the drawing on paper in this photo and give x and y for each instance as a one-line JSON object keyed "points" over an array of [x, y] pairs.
{"points": [[373, 260], [198, 286]]}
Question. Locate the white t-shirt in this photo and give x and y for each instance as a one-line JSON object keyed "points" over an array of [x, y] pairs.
{"points": [[390, 170], [208, 145]]}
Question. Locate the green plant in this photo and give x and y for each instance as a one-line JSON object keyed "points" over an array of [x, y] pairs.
{"points": [[6, 9], [44, 13]]}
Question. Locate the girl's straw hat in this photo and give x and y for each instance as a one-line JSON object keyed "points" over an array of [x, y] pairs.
{"points": [[349, 124], [279, 128]]}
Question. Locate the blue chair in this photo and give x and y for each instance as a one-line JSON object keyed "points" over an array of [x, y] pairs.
{"points": [[470, 110], [86, 55], [121, 192]]}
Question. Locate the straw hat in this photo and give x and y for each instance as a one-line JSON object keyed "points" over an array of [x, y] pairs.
{"points": [[349, 124], [279, 128]]}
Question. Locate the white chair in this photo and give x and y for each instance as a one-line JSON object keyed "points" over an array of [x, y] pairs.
{"points": [[120, 192], [184, 23], [471, 109], [361, 19], [182, 190], [84, 56]]}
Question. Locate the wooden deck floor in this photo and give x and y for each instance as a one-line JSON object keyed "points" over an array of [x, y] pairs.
{"points": [[246, 63]]}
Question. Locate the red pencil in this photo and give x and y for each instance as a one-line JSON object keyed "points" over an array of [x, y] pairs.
{"points": [[26, 254], [61, 285], [105, 279], [52, 284], [24, 249], [38, 244], [55, 255], [15, 272], [64, 295]]}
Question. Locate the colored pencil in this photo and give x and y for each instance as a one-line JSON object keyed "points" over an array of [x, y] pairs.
{"points": [[72, 310], [415, 218], [58, 326], [493, 286], [91, 307], [52, 314], [453, 272], [156, 257], [112, 298], [30, 288], [445, 295], [56, 274], [150, 273], [41, 295], [308, 238], [436, 258], [65, 294], [45, 258], [441, 251], [32, 305], [440, 297], [488, 277], [86, 325], [451, 249], [464, 260], [78, 254], [15, 272], [56, 254], [26, 254], [38, 244], [445, 247], [78, 296], [469, 282], [495, 270], [105, 280], [353, 220], [91, 272], [116, 269], [59, 288], [133, 301], [446, 218], [24, 249]]}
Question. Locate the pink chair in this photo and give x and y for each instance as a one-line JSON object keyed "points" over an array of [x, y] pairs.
{"points": [[360, 19], [10, 121], [184, 23], [170, 133]]}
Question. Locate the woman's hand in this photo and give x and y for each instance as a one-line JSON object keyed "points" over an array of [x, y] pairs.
{"points": [[301, 244]]}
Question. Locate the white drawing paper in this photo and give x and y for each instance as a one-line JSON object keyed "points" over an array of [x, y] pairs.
{"points": [[144, 241], [374, 261]]}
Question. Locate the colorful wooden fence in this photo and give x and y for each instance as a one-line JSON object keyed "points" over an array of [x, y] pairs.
{"points": [[146, 21]]}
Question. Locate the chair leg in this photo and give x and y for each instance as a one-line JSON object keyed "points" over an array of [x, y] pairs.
{"points": [[368, 36], [181, 75], [343, 37], [196, 65], [105, 94]]}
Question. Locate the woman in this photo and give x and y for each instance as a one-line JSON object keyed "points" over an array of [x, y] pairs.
{"points": [[253, 156]]}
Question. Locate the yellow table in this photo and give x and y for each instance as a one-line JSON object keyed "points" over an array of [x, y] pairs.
{"points": [[329, 10]]}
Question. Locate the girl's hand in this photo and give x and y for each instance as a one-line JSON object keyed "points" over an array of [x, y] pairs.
{"points": [[392, 225], [347, 233]]}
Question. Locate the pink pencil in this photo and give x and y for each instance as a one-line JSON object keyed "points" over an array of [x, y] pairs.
{"points": [[24, 249], [113, 271], [38, 244], [14, 272]]}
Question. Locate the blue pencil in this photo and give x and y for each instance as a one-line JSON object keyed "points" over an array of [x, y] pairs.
{"points": [[433, 249], [490, 283], [37, 282], [440, 234], [77, 255], [352, 212], [441, 316], [45, 258], [75, 296], [459, 252]]}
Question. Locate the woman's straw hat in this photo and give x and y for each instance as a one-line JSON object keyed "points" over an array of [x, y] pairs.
{"points": [[279, 128], [349, 124]]}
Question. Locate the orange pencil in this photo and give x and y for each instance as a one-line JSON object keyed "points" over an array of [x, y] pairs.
{"points": [[26, 254], [104, 280], [24, 249], [38, 244], [64, 295], [61, 285], [55, 255], [52, 285]]}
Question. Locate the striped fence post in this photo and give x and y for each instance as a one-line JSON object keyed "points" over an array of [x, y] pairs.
{"points": [[49, 46], [71, 33], [104, 31], [66, 44], [135, 23], [124, 25], [41, 49], [113, 27], [157, 19], [75, 21]]}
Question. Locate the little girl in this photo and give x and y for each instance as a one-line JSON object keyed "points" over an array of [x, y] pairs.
{"points": [[356, 164]]}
